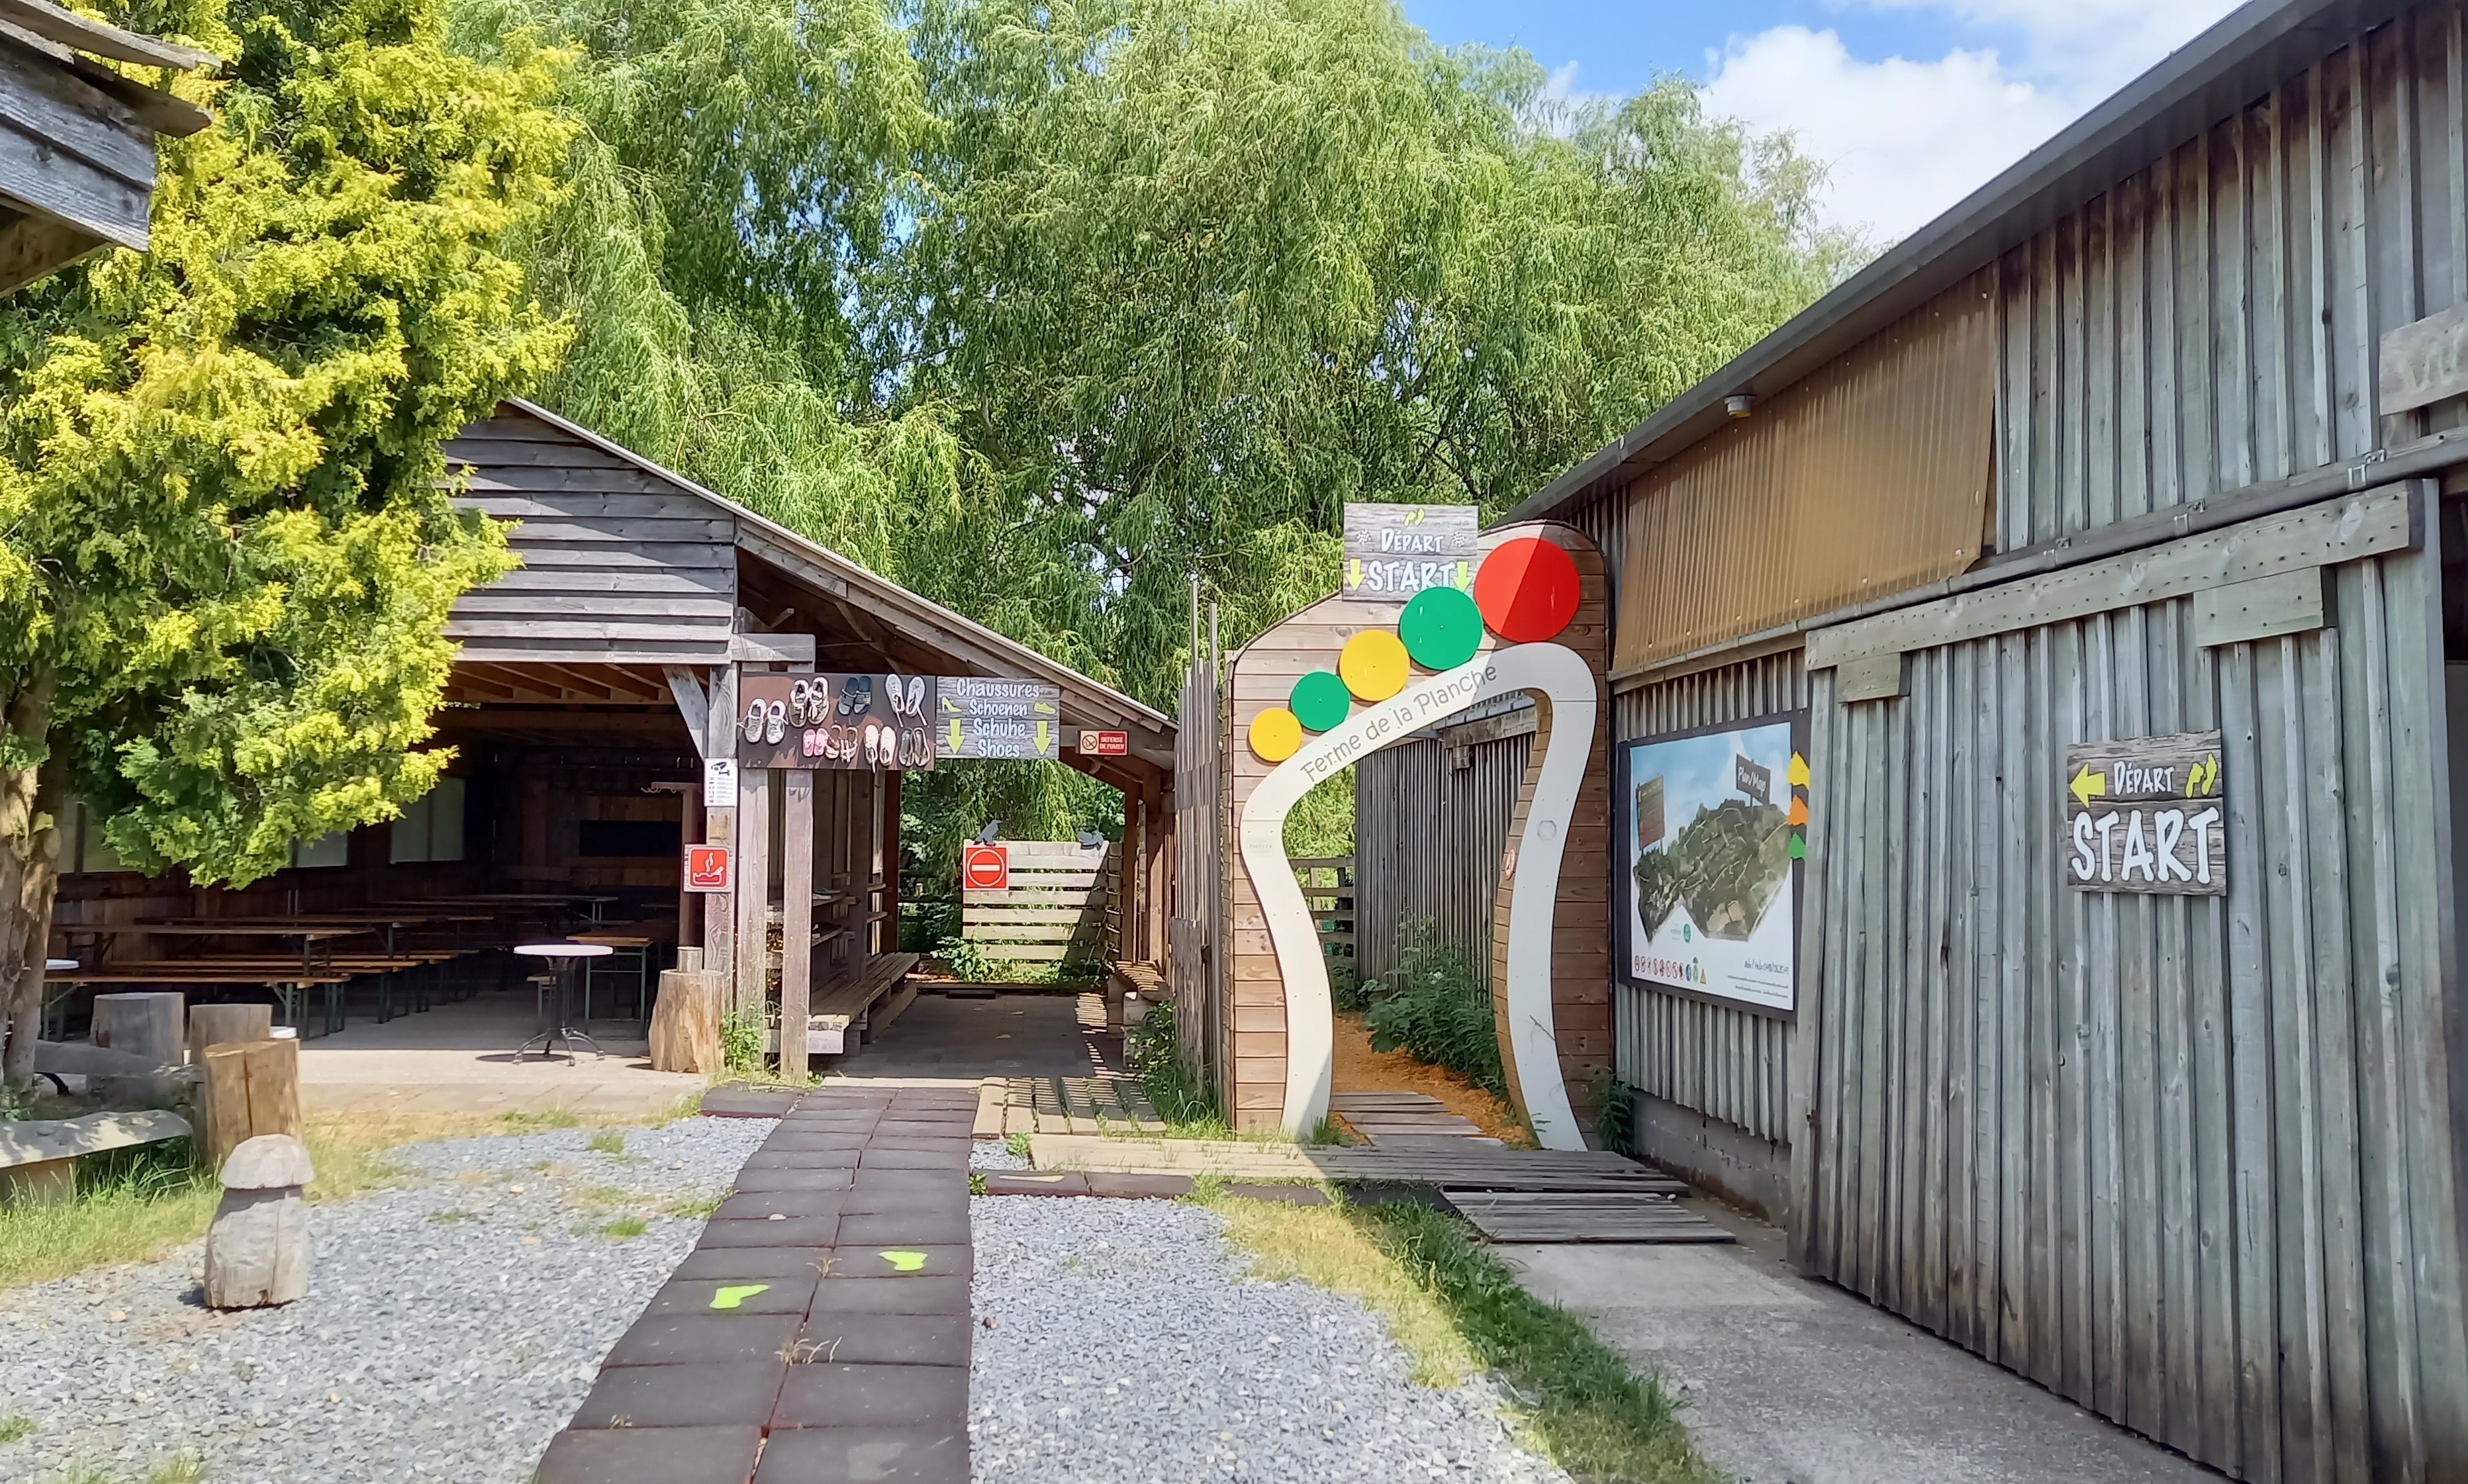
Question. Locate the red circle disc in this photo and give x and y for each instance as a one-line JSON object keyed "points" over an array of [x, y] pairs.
{"points": [[1526, 590]]}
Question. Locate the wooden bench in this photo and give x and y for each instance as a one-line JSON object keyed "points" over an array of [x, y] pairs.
{"points": [[844, 1015], [1126, 976], [39, 1157]]}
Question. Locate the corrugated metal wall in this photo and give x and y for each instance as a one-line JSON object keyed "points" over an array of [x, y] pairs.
{"points": [[1428, 838], [2213, 321], [1722, 1061], [2187, 1160], [1865, 479]]}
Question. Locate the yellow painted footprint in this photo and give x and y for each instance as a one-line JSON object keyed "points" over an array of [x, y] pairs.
{"points": [[732, 1294], [903, 1261]]}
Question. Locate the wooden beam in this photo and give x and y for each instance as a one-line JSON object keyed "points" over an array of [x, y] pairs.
{"points": [[685, 687], [753, 889], [720, 828], [796, 917], [100, 38]]}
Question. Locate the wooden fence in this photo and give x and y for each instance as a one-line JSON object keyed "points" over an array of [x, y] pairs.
{"points": [[1055, 907], [1328, 887], [1431, 825]]}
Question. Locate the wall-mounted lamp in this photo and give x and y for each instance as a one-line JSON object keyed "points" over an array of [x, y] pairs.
{"points": [[1739, 404]]}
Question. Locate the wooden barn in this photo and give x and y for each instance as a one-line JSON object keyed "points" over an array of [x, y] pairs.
{"points": [[2097, 556]]}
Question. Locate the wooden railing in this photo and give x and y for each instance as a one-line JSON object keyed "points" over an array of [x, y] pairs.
{"points": [[1328, 889]]}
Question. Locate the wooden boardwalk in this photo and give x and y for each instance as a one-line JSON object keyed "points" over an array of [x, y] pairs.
{"points": [[1582, 1215], [1407, 1120], [1079, 1105], [1469, 1166]]}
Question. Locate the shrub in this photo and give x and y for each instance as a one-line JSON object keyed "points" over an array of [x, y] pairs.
{"points": [[741, 1041], [1155, 1056], [1432, 1008]]}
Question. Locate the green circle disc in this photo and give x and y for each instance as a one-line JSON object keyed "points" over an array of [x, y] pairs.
{"points": [[1441, 626], [1321, 700]]}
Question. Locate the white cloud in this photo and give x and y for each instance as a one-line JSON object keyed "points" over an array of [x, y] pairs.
{"points": [[1905, 139], [1902, 140]]}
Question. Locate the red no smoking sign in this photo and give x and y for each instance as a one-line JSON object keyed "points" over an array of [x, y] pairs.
{"points": [[985, 867]]}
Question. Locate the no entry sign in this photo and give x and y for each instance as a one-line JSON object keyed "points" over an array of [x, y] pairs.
{"points": [[707, 868], [985, 868]]}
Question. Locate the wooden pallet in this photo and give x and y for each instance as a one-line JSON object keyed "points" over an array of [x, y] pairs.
{"points": [[1469, 1166], [1086, 1105], [1581, 1216], [1405, 1120]]}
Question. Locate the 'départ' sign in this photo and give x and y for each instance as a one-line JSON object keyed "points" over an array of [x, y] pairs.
{"points": [[2146, 814], [1393, 551]]}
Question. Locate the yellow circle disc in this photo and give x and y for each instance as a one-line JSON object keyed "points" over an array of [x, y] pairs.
{"points": [[1373, 664], [1275, 734]]}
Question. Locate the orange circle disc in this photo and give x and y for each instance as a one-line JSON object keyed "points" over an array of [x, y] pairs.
{"points": [[1528, 589]]}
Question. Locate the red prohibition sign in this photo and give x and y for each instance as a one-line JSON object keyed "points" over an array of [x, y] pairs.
{"points": [[985, 867]]}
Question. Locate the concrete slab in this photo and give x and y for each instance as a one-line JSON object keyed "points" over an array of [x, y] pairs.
{"points": [[459, 1059], [1790, 1381]]}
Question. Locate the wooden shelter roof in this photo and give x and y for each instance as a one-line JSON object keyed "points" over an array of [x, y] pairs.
{"points": [[630, 568], [77, 138]]}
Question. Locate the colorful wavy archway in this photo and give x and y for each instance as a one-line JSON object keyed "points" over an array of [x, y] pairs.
{"points": [[1532, 624]]}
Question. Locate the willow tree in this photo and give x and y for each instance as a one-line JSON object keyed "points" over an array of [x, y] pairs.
{"points": [[226, 552]]}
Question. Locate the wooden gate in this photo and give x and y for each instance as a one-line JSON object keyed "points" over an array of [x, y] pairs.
{"points": [[1055, 907]]}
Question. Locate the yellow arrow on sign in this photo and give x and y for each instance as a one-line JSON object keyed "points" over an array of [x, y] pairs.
{"points": [[2087, 784], [957, 740], [1041, 738]]}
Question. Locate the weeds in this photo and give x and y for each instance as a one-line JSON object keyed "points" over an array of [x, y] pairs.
{"points": [[623, 1227], [1432, 1008], [1156, 1058], [177, 1469], [554, 1118], [608, 1141], [1615, 1124], [696, 1207], [1589, 1410], [1016, 1143], [741, 1042], [452, 1218], [1325, 1245], [16, 1428]]}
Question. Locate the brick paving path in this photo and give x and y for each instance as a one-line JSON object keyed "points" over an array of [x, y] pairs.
{"points": [[819, 1333]]}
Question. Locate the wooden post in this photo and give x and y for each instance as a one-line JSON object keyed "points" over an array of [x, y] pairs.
{"points": [[796, 917], [886, 829], [720, 828], [753, 890], [690, 831], [1159, 836], [252, 1087], [212, 1025], [148, 1023]]}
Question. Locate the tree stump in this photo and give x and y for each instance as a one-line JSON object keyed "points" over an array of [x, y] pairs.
{"points": [[257, 1250], [212, 1025], [252, 1088], [685, 1023], [148, 1023]]}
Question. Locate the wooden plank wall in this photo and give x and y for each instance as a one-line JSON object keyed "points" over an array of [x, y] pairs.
{"points": [[2187, 1160], [1055, 909], [1430, 820], [1260, 675], [618, 563]]}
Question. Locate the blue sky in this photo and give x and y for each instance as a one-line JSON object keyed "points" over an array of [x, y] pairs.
{"points": [[1912, 103]]}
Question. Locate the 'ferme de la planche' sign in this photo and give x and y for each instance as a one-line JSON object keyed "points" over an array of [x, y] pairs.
{"points": [[2146, 814], [1393, 551]]}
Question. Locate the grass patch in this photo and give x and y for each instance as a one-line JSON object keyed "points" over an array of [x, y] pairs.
{"points": [[623, 1227], [608, 1141], [452, 1218], [1326, 1246], [1016, 1143], [696, 1207], [1594, 1416], [177, 1469], [554, 1118], [16, 1428]]}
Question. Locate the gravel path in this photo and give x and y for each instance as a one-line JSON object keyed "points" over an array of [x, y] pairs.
{"points": [[1129, 1349], [451, 1326]]}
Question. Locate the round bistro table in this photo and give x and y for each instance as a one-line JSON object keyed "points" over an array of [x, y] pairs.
{"points": [[561, 955]]}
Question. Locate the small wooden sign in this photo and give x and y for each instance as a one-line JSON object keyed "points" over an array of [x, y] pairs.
{"points": [[2145, 814], [707, 868], [2425, 361], [1393, 551], [980, 718]]}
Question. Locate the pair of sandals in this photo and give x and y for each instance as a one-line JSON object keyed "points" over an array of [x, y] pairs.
{"points": [[878, 744]]}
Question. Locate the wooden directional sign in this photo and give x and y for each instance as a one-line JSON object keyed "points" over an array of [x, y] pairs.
{"points": [[1393, 551], [978, 718], [2145, 814]]}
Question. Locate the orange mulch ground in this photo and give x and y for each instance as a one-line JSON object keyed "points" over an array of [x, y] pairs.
{"points": [[1362, 1070]]}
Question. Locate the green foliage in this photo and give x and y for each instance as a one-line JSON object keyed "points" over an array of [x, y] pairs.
{"points": [[969, 960], [223, 530], [1174, 1089], [1048, 312], [1321, 822], [1433, 1008], [1615, 1122], [623, 1227], [16, 1426], [1346, 991], [607, 1141], [1595, 1417], [741, 1042]]}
